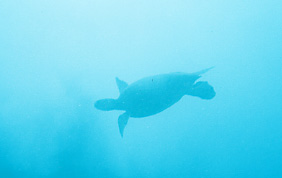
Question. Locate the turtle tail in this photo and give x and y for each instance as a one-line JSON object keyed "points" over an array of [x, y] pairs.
{"points": [[106, 104]]}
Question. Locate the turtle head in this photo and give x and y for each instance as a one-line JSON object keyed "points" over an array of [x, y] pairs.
{"points": [[203, 90], [105, 104]]}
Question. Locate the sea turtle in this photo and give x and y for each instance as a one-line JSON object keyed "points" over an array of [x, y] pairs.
{"points": [[151, 95]]}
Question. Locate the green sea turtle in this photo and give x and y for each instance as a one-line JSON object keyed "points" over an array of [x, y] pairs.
{"points": [[151, 95]]}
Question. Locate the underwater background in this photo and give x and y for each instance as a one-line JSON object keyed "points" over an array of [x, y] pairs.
{"points": [[59, 57]]}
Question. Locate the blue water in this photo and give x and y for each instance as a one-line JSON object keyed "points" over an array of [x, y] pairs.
{"points": [[59, 57]]}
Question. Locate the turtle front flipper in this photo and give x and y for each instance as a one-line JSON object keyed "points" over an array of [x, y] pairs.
{"points": [[122, 121], [121, 85]]}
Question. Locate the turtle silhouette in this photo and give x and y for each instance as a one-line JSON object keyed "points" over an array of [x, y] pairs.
{"points": [[151, 95]]}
